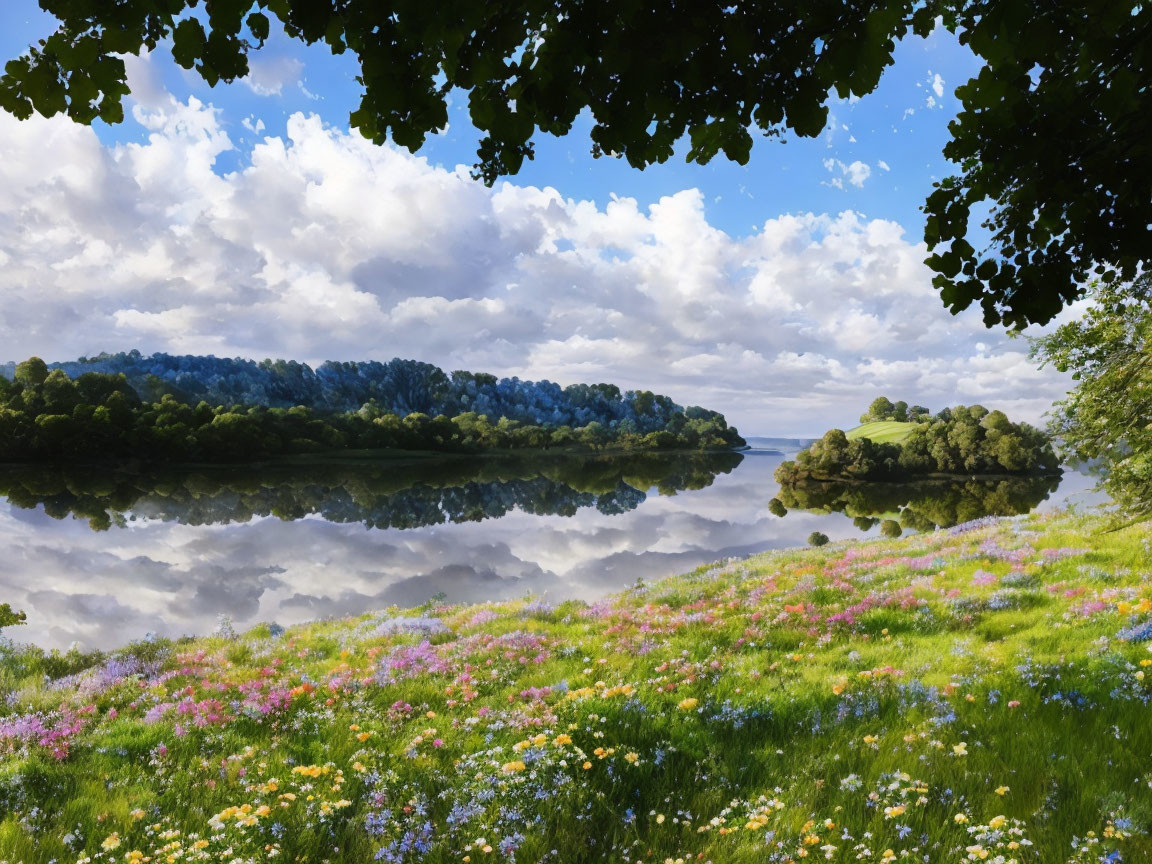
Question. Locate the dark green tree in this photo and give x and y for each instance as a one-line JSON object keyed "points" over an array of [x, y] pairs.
{"points": [[880, 409], [817, 538], [776, 508], [31, 373], [1107, 416], [1053, 140]]}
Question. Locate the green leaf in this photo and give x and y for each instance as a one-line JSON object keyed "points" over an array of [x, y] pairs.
{"points": [[188, 42], [258, 23]]}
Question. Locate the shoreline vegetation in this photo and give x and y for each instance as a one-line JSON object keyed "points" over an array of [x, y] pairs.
{"points": [[895, 443], [876, 701], [204, 409]]}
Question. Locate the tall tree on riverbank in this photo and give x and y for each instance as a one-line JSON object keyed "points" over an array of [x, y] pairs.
{"points": [[1053, 140], [1107, 417]]}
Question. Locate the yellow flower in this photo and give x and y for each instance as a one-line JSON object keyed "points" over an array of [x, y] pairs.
{"points": [[586, 765], [960, 749], [660, 819], [1002, 790], [512, 767], [688, 704], [111, 841], [562, 739], [996, 822], [631, 757], [959, 818]]}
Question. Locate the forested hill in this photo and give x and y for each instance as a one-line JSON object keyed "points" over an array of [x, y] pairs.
{"points": [[398, 386]]}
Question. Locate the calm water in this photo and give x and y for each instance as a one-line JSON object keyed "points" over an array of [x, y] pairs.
{"points": [[99, 558]]}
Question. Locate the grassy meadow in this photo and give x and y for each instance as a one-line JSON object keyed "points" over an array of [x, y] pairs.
{"points": [[882, 431], [976, 694]]}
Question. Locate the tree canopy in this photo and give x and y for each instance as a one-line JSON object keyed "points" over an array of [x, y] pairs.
{"points": [[963, 440], [1053, 140], [99, 416], [1107, 417]]}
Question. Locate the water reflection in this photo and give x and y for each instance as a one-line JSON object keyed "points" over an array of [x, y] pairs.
{"points": [[921, 506], [402, 492], [291, 543]]}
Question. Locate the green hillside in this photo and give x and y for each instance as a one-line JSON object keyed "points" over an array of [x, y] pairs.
{"points": [[888, 431]]}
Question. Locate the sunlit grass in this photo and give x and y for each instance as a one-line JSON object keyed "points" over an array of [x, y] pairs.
{"points": [[882, 431]]}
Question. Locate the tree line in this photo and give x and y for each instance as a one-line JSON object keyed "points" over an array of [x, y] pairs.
{"points": [[45, 415], [964, 440], [397, 386]]}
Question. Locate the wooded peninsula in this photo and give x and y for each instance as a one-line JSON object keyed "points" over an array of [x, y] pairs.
{"points": [[165, 408]]}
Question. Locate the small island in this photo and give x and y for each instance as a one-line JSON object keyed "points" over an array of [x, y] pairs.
{"points": [[897, 443], [191, 409]]}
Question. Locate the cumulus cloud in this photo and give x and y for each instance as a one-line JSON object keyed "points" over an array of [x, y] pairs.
{"points": [[324, 246], [855, 173]]}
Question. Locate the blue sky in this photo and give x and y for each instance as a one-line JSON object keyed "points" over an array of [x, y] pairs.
{"points": [[902, 125], [245, 219]]}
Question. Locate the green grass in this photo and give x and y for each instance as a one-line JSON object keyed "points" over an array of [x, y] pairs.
{"points": [[905, 700], [882, 431]]}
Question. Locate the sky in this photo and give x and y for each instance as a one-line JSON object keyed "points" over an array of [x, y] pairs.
{"points": [[248, 220]]}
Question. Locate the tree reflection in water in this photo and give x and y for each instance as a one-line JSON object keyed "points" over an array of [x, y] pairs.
{"points": [[921, 506], [378, 491]]}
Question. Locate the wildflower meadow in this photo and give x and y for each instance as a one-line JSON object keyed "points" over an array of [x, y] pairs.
{"points": [[982, 693]]}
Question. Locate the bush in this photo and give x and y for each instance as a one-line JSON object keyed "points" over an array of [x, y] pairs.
{"points": [[816, 538]]}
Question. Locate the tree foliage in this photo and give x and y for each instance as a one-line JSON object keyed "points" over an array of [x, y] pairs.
{"points": [[9, 616], [1107, 417], [817, 538], [396, 386], [100, 417], [883, 408], [1054, 134], [963, 440]]}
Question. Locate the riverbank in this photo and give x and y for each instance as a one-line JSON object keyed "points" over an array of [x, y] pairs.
{"points": [[980, 689]]}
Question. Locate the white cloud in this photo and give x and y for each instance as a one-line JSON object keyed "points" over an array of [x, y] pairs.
{"points": [[936, 84], [326, 246], [268, 75], [855, 173]]}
